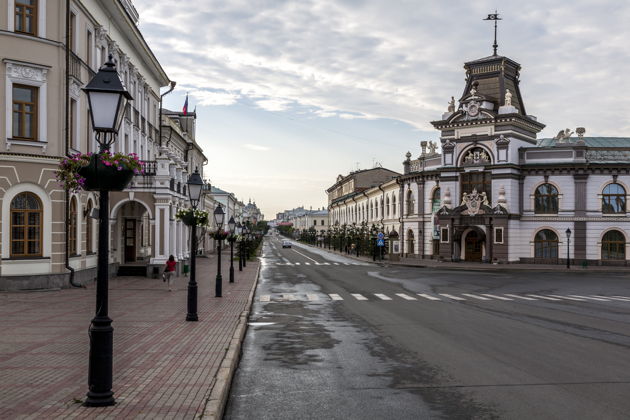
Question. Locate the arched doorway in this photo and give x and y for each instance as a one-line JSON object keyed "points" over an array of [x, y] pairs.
{"points": [[410, 249], [473, 246]]}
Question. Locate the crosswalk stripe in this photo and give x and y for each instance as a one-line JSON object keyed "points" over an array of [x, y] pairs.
{"points": [[544, 297], [358, 296], [297, 263], [622, 299], [307, 263], [591, 298], [495, 296], [520, 297], [265, 298], [289, 296], [336, 263], [382, 296], [569, 298], [325, 263], [406, 297], [450, 296], [475, 296], [335, 296], [424, 295], [312, 297]]}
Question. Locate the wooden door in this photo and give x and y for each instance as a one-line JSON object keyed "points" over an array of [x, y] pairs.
{"points": [[130, 240], [473, 247]]}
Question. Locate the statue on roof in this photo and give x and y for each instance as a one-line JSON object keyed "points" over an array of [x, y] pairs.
{"points": [[508, 97], [432, 147], [563, 134], [451, 104]]}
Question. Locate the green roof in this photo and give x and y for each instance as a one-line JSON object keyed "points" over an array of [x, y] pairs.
{"points": [[590, 141]]}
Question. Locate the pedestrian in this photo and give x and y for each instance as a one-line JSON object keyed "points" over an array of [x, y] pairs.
{"points": [[169, 272]]}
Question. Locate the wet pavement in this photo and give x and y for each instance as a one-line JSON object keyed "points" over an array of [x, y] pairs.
{"points": [[336, 338]]}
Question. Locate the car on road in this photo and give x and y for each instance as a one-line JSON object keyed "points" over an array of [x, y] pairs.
{"points": [[286, 244]]}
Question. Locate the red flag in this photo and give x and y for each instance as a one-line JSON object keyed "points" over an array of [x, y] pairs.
{"points": [[185, 109]]}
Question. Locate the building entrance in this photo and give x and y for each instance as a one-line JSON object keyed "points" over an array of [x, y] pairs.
{"points": [[473, 247]]}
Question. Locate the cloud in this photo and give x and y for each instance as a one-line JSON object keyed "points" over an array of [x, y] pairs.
{"points": [[256, 147]]}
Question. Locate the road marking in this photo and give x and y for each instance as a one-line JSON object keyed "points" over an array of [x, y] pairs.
{"points": [[336, 263], [307, 263], [265, 298], [591, 298], [382, 296], [406, 297], [358, 296], [312, 297], [544, 297], [520, 297], [475, 296], [424, 295], [305, 256], [495, 296], [622, 297], [569, 298], [289, 296], [335, 296], [297, 263], [619, 298], [346, 263], [450, 296], [325, 263]]}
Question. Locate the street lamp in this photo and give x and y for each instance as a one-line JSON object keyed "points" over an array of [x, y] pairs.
{"points": [[239, 231], [219, 214], [568, 232], [232, 228], [195, 186], [245, 250], [107, 98]]}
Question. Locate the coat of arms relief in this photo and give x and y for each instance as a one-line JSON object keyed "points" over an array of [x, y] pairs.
{"points": [[473, 201]]}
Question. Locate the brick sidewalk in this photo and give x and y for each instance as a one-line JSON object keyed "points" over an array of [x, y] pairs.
{"points": [[164, 367]]}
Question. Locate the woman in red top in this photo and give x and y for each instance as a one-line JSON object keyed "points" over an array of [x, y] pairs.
{"points": [[169, 271]]}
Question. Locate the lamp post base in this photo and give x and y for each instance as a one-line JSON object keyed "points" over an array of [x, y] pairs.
{"points": [[101, 335]]}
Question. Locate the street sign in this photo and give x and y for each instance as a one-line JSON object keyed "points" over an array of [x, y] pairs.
{"points": [[380, 242], [380, 236]]}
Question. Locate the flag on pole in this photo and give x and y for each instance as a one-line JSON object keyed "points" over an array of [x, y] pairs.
{"points": [[185, 109]]}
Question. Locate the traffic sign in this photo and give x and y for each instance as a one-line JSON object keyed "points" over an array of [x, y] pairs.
{"points": [[380, 242], [380, 236]]}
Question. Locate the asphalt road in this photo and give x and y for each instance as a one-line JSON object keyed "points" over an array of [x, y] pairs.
{"points": [[334, 338]]}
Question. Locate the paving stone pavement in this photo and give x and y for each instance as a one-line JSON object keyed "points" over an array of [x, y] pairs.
{"points": [[164, 367]]}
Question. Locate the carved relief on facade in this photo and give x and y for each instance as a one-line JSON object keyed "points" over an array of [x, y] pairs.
{"points": [[476, 156], [26, 72]]}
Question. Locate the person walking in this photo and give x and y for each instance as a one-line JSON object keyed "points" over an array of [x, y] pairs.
{"points": [[169, 271]]}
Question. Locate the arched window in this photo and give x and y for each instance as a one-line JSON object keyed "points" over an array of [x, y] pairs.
{"points": [[72, 227], [88, 229], [546, 199], [409, 202], [387, 206], [613, 246], [613, 199], [26, 226], [436, 201], [410, 249], [371, 209], [546, 244]]}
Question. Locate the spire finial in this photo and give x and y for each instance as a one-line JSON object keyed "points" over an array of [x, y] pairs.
{"points": [[494, 16]]}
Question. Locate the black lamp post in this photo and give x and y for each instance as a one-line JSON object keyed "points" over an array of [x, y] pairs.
{"points": [[219, 214], [239, 231], [231, 227], [244, 249], [107, 99], [568, 232], [195, 186]]}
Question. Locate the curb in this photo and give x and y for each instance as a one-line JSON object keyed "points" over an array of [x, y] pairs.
{"points": [[215, 404]]}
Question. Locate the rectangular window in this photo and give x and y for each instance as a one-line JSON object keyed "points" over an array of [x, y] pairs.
{"points": [[25, 112], [498, 235], [26, 16], [444, 235], [72, 123], [480, 181], [314, 222], [88, 49], [71, 32]]}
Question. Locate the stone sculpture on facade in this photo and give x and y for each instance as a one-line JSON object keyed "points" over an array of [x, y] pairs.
{"points": [[508, 97], [451, 104]]}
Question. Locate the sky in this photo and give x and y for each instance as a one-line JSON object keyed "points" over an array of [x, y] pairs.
{"points": [[291, 93]]}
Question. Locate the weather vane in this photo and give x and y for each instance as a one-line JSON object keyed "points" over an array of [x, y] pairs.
{"points": [[494, 16]]}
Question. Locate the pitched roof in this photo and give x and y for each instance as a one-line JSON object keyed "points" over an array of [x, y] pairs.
{"points": [[608, 142]]}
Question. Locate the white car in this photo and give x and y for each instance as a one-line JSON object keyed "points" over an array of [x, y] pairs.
{"points": [[286, 244]]}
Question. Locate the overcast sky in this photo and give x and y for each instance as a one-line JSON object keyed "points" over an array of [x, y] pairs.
{"points": [[289, 94]]}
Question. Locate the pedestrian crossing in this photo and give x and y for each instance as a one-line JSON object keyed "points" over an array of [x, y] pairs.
{"points": [[439, 297], [297, 264]]}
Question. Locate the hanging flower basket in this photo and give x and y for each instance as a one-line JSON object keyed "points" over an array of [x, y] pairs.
{"points": [[220, 235], [94, 172], [188, 216]]}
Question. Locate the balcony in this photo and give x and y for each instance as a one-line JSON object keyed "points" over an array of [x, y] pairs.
{"points": [[75, 66], [150, 167]]}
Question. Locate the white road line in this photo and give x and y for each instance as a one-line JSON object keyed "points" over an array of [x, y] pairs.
{"points": [[569, 298], [544, 297], [336, 263], [335, 296], [591, 298], [325, 263], [265, 298], [289, 296], [520, 297], [307, 263], [475, 296], [622, 297], [495, 296], [424, 295], [382, 296], [618, 298], [406, 297], [297, 263], [346, 263], [450, 296], [312, 297], [305, 256], [358, 296]]}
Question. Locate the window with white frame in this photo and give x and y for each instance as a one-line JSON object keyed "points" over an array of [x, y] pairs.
{"points": [[498, 235], [26, 98]]}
